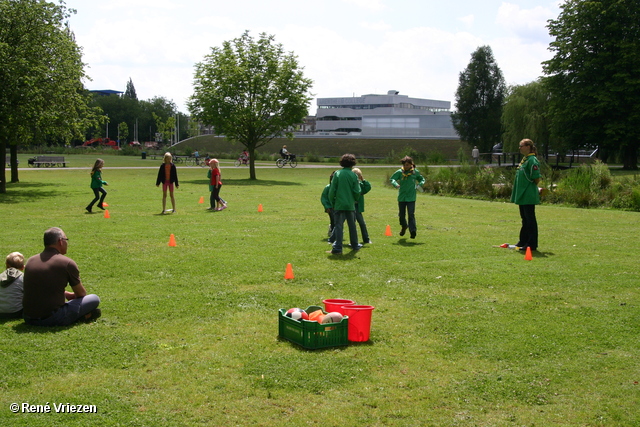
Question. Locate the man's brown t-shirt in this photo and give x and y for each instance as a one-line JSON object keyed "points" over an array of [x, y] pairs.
{"points": [[46, 276]]}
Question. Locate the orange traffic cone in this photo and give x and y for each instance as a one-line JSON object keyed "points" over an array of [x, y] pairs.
{"points": [[106, 213], [106, 205], [388, 231], [201, 199], [288, 274], [260, 207], [172, 240], [528, 256]]}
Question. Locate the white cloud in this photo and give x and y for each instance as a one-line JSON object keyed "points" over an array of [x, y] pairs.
{"points": [[528, 24], [376, 26], [374, 5], [467, 20]]}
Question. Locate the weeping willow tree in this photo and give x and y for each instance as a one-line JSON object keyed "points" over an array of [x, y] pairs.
{"points": [[525, 115]]}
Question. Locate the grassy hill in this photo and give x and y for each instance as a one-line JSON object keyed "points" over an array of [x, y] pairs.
{"points": [[330, 147]]}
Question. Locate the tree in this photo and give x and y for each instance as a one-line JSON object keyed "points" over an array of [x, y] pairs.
{"points": [[481, 91], [123, 133], [251, 91], [594, 75], [130, 91], [41, 71], [525, 115]]}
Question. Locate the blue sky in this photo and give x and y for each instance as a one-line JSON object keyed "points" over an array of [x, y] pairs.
{"points": [[347, 47]]}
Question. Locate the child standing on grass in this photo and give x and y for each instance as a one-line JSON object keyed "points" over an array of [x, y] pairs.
{"points": [[11, 287], [405, 180], [215, 183], [96, 185], [167, 176], [344, 192], [324, 199], [365, 187], [526, 195]]}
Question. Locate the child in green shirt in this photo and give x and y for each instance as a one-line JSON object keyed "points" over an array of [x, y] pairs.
{"points": [[405, 180]]}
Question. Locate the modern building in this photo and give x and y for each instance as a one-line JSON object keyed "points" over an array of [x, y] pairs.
{"points": [[390, 115]]}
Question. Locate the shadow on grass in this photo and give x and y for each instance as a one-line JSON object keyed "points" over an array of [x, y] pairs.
{"points": [[313, 350], [537, 254], [405, 242], [345, 256], [20, 192], [325, 349], [23, 328], [240, 182]]}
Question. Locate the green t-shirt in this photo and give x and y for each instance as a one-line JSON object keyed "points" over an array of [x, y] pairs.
{"points": [[344, 190], [96, 179], [525, 190], [406, 183]]}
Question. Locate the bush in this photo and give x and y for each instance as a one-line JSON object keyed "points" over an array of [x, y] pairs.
{"points": [[312, 157], [436, 158]]}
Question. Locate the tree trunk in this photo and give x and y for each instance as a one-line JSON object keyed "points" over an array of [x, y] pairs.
{"points": [[3, 163], [252, 162], [13, 148]]}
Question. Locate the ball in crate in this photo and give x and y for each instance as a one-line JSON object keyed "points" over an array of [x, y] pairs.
{"points": [[316, 316], [333, 317], [297, 314]]}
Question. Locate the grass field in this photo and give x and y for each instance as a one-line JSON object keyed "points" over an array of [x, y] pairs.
{"points": [[463, 334]]}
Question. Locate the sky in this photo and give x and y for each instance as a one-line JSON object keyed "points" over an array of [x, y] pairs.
{"points": [[347, 47]]}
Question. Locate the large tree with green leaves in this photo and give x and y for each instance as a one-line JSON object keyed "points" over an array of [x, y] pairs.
{"points": [[251, 91], [479, 97], [525, 115], [41, 72], [594, 75]]}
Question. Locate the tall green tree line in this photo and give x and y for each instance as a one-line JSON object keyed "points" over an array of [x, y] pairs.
{"points": [[594, 76], [41, 72]]}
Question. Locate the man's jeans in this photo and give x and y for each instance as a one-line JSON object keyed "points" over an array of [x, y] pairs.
{"points": [[68, 313]]}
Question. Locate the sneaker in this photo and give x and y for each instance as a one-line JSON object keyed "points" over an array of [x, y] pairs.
{"points": [[413, 234], [368, 241], [404, 230], [223, 207], [101, 207], [92, 315], [334, 252], [356, 248], [88, 209]]}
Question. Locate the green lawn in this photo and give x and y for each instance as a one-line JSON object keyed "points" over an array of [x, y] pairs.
{"points": [[463, 334]]}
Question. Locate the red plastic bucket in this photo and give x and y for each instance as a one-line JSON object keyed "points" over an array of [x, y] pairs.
{"points": [[336, 305], [359, 321]]}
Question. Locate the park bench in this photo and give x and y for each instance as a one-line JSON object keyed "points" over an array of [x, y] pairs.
{"points": [[47, 161]]}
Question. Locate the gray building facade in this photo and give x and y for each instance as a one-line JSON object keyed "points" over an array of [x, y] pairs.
{"points": [[390, 115]]}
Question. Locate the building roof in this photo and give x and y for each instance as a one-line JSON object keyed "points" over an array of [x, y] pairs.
{"points": [[107, 92]]}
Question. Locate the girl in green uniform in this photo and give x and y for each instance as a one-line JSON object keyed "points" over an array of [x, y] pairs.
{"points": [[96, 185], [526, 194]]}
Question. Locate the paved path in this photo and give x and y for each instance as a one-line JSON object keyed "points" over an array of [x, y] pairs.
{"points": [[229, 165]]}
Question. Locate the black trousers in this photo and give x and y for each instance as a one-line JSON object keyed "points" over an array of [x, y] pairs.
{"points": [[99, 193], [529, 230]]}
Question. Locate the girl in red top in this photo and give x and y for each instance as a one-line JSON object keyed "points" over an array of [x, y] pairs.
{"points": [[214, 186], [167, 176]]}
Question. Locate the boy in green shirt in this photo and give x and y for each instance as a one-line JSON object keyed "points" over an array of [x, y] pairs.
{"points": [[344, 191], [405, 180]]}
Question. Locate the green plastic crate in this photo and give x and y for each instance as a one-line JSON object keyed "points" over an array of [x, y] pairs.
{"points": [[313, 335]]}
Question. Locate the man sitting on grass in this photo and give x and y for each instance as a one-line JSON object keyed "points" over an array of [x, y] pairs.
{"points": [[45, 278]]}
